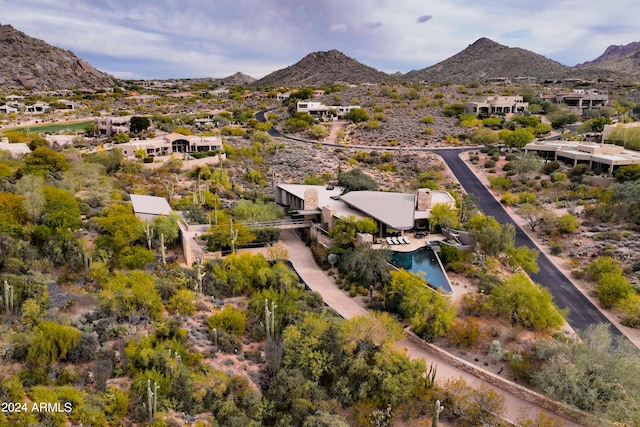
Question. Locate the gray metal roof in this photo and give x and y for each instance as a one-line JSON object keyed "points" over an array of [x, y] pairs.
{"points": [[394, 209], [150, 205]]}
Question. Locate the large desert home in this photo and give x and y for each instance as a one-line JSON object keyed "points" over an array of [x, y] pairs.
{"points": [[323, 111], [393, 212], [496, 105], [171, 144]]}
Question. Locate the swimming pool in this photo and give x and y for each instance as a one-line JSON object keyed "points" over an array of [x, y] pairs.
{"points": [[424, 262]]}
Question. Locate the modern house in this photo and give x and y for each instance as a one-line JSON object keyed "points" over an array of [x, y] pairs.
{"points": [[170, 144], [496, 105], [38, 107], [108, 126], [392, 211], [7, 109], [600, 158], [323, 111], [580, 100]]}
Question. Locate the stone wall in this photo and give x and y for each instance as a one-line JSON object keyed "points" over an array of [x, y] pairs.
{"points": [[424, 198], [502, 383], [310, 199]]}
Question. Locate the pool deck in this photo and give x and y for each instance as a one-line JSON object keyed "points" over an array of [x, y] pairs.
{"points": [[414, 243]]}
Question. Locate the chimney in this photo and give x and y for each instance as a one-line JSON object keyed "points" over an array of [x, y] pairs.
{"points": [[310, 199], [423, 199]]}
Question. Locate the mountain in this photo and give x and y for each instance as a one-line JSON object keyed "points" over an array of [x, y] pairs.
{"points": [[323, 68], [623, 59], [237, 79], [26, 62], [486, 59]]}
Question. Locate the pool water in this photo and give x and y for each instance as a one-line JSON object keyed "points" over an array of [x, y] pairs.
{"points": [[425, 263]]}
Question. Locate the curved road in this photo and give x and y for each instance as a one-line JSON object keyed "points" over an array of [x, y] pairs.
{"points": [[582, 312]]}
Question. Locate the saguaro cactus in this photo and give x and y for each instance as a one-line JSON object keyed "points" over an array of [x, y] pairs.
{"points": [[163, 249], [270, 318], [8, 298], [199, 275], [148, 232], [436, 414], [152, 400], [233, 235]]}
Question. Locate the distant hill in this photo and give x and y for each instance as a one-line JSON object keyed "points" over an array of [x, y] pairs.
{"points": [[621, 59], [324, 68], [237, 79], [26, 62], [486, 59]]}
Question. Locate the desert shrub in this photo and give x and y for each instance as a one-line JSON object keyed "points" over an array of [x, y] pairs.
{"points": [[489, 164], [230, 320], [465, 333], [550, 167], [474, 304]]}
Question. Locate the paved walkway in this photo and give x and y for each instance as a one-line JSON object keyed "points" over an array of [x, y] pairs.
{"points": [[318, 281]]}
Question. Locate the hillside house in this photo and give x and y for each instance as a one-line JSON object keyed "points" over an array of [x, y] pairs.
{"points": [[7, 109], [38, 107], [171, 144], [108, 126], [497, 105], [391, 211], [580, 100], [323, 111]]}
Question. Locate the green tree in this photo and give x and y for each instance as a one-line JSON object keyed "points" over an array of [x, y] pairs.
{"points": [[613, 287], [493, 237], [627, 173], [167, 225], [367, 266], [119, 227], [356, 180], [44, 160], [183, 302], [346, 228], [524, 257], [139, 124], [560, 119], [319, 131], [525, 303], [444, 216], [484, 136], [131, 294], [61, 209], [357, 115], [120, 138]]}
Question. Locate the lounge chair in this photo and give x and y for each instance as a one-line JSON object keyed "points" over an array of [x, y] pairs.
{"points": [[405, 239], [395, 241], [389, 241]]}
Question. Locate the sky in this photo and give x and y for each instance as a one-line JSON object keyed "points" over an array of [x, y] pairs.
{"points": [[161, 39]]}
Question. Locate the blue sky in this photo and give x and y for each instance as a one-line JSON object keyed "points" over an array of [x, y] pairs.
{"points": [[215, 38]]}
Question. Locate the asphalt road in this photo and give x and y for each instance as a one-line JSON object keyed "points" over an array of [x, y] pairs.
{"points": [[582, 312]]}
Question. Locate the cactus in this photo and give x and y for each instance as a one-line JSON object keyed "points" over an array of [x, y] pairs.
{"points": [[270, 318], [8, 298], [436, 413], [148, 232], [199, 275], [170, 189], [234, 236], [86, 261], [215, 339], [162, 249], [430, 379], [152, 400]]}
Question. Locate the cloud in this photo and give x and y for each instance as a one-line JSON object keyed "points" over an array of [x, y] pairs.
{"points": [[423, 18], [338, 28], [371, 25]]}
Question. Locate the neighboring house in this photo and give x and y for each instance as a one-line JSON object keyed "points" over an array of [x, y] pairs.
{"points": [[496, 105], [38, 107], [320, 110], [283, 96], [600, 158], [142, 98], [14, 97], [391, 211], [6, 109], [108, 126], [171, 144], [580, 100], [219, 91], [69, 105], [16, 150]]}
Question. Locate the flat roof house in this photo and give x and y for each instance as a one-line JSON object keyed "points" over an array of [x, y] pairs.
{"points": [[496, 105], [148, 208], [108, 126], [320, 110], [600, 158], [170, 144]]}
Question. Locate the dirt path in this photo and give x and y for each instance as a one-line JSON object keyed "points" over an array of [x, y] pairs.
{"points": [[317, 280]]}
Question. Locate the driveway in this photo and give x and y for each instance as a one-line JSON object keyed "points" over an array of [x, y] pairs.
{"points": [[317, 280]]}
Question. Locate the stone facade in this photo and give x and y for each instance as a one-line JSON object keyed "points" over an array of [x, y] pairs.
{"points": [[424, 199], [310, 199]]}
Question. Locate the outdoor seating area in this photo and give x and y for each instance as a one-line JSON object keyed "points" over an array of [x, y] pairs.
{"points": [[401, 240]]}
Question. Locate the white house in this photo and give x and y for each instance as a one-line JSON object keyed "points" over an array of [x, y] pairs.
{"points": [[318, 109]]}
